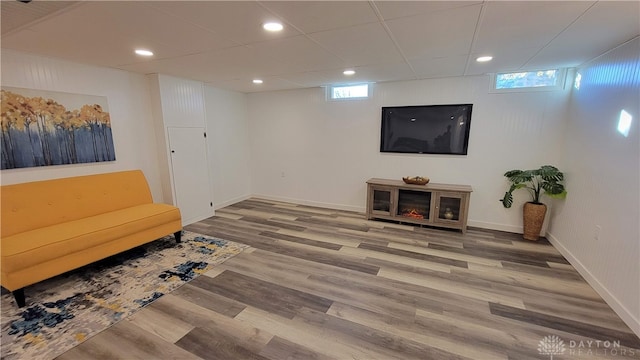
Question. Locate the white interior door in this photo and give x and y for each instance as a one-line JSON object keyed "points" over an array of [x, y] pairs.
{"points": [[190, 172]]}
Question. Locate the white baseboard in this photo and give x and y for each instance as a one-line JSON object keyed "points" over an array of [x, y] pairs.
{"points": [[360, 209], [502, 227], [494, 226], [608, 297], [220, 205], [186, 222]]}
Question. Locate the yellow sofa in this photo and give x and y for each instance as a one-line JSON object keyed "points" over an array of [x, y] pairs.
{"points": [[53, 226]]}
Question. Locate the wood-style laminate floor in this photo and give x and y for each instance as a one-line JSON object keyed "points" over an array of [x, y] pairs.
{"points": [[327, 284]]}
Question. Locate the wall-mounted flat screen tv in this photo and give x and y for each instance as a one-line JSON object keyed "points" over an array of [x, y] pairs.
{"points": [[426, 129]]}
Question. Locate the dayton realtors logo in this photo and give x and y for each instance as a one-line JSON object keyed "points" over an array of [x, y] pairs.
{"points": [[551, 345]]}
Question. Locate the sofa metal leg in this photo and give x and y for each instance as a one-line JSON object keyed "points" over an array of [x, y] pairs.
{"points": [[19, 296], [178, 235]]}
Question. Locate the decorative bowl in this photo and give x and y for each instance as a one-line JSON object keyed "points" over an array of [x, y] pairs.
{"points": [[415, 180]]}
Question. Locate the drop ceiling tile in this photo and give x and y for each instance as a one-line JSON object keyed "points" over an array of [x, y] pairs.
{"points": [[369, 74], [314, 16], [360, 45], [525, 24], [439, 67], [585, 39], [325, 78], [259, 60], [182, 37], [441, 34], [386, 72], [245, 85], [106, 33], [397, 9], [560, 57], [239, 21], [226, 64], [83, 49], [504, 60], [296, 54], [16, 14]]}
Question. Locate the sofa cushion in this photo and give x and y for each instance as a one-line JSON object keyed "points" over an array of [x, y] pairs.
{"points": [[39, 204], [37, 246]]}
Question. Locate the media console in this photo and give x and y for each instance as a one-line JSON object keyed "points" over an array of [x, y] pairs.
{"points": [[440, 205]]}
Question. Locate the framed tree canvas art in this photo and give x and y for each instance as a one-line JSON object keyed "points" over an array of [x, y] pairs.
{"points": [[43, 128]]}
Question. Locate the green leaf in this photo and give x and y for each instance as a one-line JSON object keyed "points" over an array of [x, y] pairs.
{"points": [[519, 176], [507, 200], [550, 173], [512, 173], [553, 188], [560, 195]]}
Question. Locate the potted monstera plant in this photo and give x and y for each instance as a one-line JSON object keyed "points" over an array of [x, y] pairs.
{"points": [[545, 180]]}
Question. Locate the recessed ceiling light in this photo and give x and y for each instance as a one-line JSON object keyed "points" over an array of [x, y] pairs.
{"points": [[257, 81], [484, 58], [349, 72], [144, 52], [272, 26]]}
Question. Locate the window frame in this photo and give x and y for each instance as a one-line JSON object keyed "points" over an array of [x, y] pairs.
{"points": [[560, 83], [331, 87]]}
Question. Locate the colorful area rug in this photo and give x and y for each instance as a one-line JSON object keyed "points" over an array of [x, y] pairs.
{"points": [[66, 310]]}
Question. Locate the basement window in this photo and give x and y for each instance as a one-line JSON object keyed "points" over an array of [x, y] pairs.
{"points": [[550, 79], [345, 92]]}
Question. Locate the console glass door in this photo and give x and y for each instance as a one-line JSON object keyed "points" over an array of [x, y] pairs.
{"points": [[449, 208], [382, 200]]}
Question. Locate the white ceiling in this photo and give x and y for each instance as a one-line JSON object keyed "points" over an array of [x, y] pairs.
{"points": [[221, 43]]}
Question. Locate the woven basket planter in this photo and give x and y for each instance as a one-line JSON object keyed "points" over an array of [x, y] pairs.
{"points": [[533, 217]]}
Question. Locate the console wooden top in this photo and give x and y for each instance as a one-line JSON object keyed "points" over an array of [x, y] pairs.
{"points": [[429, 186]]}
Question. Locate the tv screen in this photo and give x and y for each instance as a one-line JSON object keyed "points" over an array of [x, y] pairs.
{"points": [[426, 129]]}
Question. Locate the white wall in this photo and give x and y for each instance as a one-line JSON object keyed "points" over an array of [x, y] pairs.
{"points": [[229, 155], [309, 150], [603, 180], [129, 108]]}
